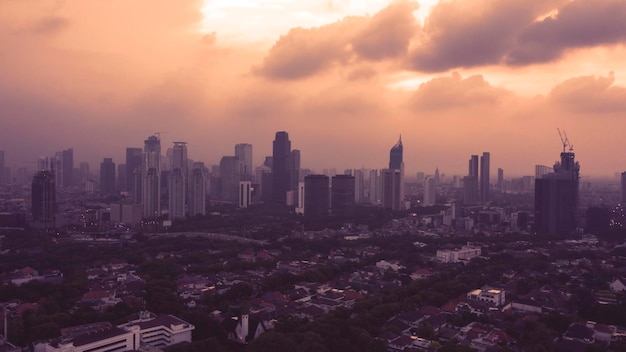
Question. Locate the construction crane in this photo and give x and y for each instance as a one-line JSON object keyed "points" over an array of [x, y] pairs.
{"points": [[565, 141]]}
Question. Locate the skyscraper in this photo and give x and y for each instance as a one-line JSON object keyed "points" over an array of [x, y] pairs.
{"points": [[342, 195], [243, 151], [391, 189], [197, 190], [430, 191], [471, 193], [177, 185], [281, 167], [134, 173], [500, 179], [43, 196], [107, 177], [556, 197], [359, 186], [395, 156], [316, 197], [375, 187], [230, 177], [151, 172], [484, 177]]}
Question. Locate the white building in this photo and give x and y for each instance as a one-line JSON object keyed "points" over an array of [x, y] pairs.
{"points": [[430, 191], [492, 297], [454, 256]]}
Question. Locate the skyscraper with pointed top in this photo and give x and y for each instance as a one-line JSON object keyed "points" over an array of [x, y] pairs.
{"points": [[395, 155], [151, 176], [393, 179]]}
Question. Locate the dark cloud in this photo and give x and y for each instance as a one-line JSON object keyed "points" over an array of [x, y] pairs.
{"points": [[590, 94], [446, 93], [388, 33], [579, 23], [304, 52], [472, 33]]}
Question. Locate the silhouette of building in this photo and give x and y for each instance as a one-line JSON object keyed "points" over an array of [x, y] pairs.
{"points": [[556, 197], [229, 174], [120, 180], [281, 167], [197, 190], [177, 182], [391, 181], [134, 173], [623, 187], [43, 196], [107, 177], [395, 156], [374, 187], [471, 193], [359, 186], [500, 179], [316, 197], [485, 185], [243, 151], [342, 195], [68, 167], [151, 175], [430, 191], [245, 194]]}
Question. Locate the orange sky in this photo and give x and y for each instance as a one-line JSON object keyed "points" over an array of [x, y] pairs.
{"points": [[344, 78]]}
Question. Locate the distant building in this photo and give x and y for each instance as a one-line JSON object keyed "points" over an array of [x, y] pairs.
{"points": [[245, 194], [107, 177], [243, 151], [44, 206], [556, 197], [281, 167], [151, 175], [342, 195], [465, 253], [500, 179], [359, 186], [197, 190], [430, 191], [133, 173], [374, 187], [316, 197], [230, 176], [492, 297], [396, 163], [391, 189], [485, 184]]}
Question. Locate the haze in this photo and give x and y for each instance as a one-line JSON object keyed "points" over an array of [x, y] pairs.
{"points": [[344, 78]]}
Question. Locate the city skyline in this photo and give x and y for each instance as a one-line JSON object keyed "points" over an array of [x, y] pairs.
{"points": [[343, 77]]}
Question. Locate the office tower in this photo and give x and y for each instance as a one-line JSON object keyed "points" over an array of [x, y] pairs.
{"points": [[107, 177], [500, 179], [316, 197], [244, 152], [391, 189], [395, 156], [473, 166], [281, 168], [623, 187], [430, 191], [197, 190], [470, 190], [121, 177], [151, 175], [437, 176], [2, 163], [556, 197], [134, 175], [484, 177], [245, 194], [230, 178], [295, 169], [177, 182], [541, 170], [43, 195], [68, 167], [342, 195], [359, 186], [300, 206], [375, 186]]}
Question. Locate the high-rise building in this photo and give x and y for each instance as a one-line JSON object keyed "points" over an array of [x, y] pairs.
{"points": [[2, 165], [473, 166], [430, 191], [281, 167], [316, 197], [623, 187], [541, 170], [500, 180], [134, 175], [197, 190], [151, 175], [359, 186], [295, 169], [243, 151], [177, 183], [342, 195], [471, 193], [121, 177], [391, 189], [44, 206], [68, 167], [245, 194], [230, 178], [484, 177], [395, 156], [107, 177], [556, 197], [375, 187]]}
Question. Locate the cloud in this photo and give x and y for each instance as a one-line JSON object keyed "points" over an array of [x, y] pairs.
{"points": [[302, 52], [578, 24], [590, 94], [50, 25], [445, 93], [472, 33], [388, 33]]}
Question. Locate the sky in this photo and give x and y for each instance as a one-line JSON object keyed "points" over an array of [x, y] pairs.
{"points": [[345, 78]]}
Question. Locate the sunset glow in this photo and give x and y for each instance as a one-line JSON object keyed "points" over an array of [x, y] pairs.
{"points": [[455, 78]]}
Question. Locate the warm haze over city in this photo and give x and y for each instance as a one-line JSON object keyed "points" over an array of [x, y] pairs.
{"points": [[344, 78]]}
